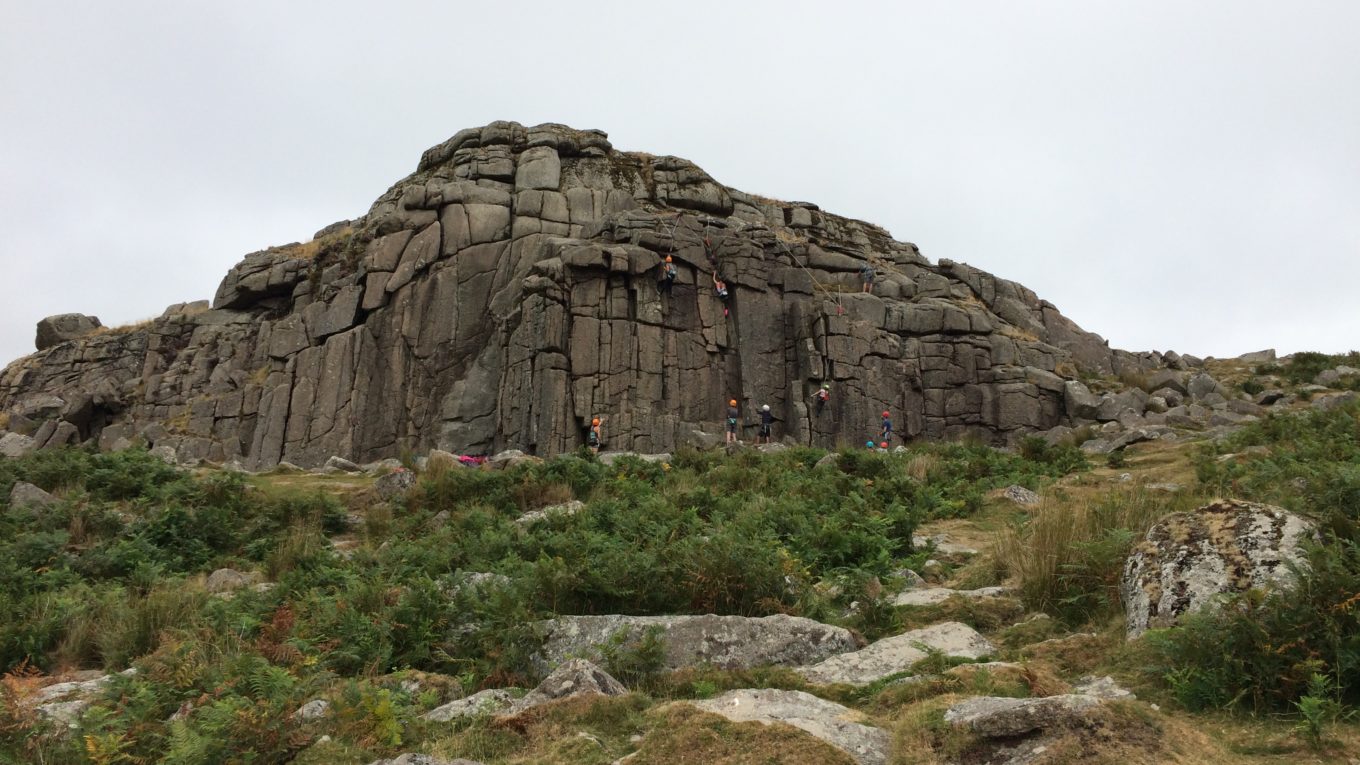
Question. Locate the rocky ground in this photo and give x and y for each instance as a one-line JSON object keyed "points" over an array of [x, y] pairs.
{"points": [[974, 676]]}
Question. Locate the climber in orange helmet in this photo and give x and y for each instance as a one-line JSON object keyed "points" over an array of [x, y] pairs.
{"points": [[593, 439], [668, 274], [732, 414]]}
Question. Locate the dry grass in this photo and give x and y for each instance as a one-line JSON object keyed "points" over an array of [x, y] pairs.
{"points": [[4, 420], [684, 735], [1016, 333], [309, 250], [922, 466], [123, 329], [789, 236]]}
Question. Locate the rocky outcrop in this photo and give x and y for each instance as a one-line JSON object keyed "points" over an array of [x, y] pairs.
{"points": [[835, 724], [726, 642], [1188, 559], [507, 292]]}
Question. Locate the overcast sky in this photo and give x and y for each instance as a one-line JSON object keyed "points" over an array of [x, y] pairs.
{"points": [[1171, 175]]}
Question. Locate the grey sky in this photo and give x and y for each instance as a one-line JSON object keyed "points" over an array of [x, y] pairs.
{"points": [[1171, 175]]}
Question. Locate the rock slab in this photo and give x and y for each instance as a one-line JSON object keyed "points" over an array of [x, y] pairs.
{"points": [[835, 724], [726, 642], [894, 655]]}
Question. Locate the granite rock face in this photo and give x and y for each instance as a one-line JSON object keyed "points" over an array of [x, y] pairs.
{"points": [[1188, 559], [507, 291]]}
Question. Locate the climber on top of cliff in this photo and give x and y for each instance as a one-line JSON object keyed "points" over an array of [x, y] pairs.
{"points": [[668, 274]]}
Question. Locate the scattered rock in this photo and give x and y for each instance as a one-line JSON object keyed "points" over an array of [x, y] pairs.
{"points": [[411, 758], [726, 642], [510, 458], [826, 720], [1269, 397], [831, 460], [1020, 495], [1102, 688], [577, 677], [229, 580], [1330, 377], [609, 458], [563, 510], [1189, 558], [493, 701], [16, 445], [1331, 402], [394, 484], [1168, 487], [894, 655], [25, 494], [1001, 717], [337, 464], [312, 710], [165, 453], [944, 545], [64, 712], [1258, 357], [931, 596]]}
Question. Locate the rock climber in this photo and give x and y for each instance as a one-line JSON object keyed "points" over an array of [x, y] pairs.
{"points": [[593, 439], [720, 287], [866, 273], [883, 447], [886, 433], [668, 274], [822, 395], [732, 415], [869, 445], [766, 418]]}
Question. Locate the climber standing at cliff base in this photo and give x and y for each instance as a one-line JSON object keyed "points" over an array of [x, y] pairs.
{"points": [[732, 415], [593, 439], [886, 433], [766, 418]]}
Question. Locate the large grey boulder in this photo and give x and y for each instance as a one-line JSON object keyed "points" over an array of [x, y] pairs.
{"points": [[25, 494], [1002, 717], [1080, 402], [394, 484], [225, 580], [726, 642], [1202, 387], [55, 330], [1330, 377], [835, 724], [1266, 356], [566, 509], [1188, 559], [16, 445], [894, 655]]}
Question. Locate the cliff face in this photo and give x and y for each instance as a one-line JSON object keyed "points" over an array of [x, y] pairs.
{"points": [[507, 292]]}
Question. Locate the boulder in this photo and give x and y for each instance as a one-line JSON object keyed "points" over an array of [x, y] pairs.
{"points": [[229, 580], [835, 724], [337, 464], [609, 458], [25, 494], [412, 758], [726, 642], [1330, 377], [1079, 401], [1202, 386], [1188, 559], [1020, 495], [563, 510], [16, 445], [58, 329], [312, 710], [577, 677], [483, 703], [894, 655], [932, 596], [1258, 357], [394, 484], [1002, 717]]}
